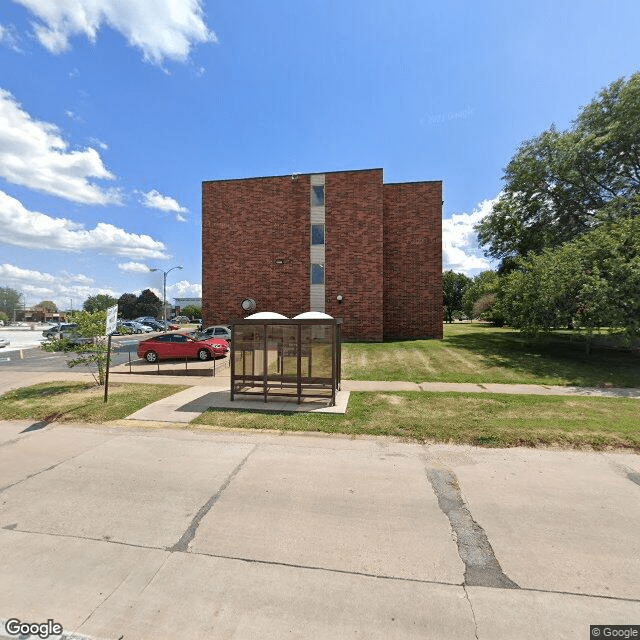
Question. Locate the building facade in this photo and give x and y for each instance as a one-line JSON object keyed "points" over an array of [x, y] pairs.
{"points": [[343, 243]]}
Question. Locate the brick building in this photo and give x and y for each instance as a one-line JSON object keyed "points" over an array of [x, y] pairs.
{"points": [[342, 242]]}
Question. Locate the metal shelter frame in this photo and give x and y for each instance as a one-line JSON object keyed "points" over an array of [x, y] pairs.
{"points": [[298, 358]]}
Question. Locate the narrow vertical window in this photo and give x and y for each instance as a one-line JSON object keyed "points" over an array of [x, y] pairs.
{"points": [[317, 234], [317, 195], [317, 273]]}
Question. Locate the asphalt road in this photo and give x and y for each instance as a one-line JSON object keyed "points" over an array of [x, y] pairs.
{"points": [[33, 359]]}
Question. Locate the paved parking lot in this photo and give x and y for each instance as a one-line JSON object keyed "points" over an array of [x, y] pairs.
{"points": [[126, 534]]}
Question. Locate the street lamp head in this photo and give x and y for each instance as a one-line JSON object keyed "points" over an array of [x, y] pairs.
{"points": [[153, 269]]}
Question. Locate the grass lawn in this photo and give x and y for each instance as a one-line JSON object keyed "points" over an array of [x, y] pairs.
{"points": [[496, 420], [476, 352], [80, 402]]}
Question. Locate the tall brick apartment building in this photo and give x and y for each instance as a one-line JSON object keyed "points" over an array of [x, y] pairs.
{"points": [[343, 243]]}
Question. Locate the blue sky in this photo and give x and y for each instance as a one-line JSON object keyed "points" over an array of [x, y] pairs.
{"points": [[113, 112]]}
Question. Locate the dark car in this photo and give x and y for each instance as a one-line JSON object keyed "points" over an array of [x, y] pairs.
{"points": [[176, 346], [57, 330]]}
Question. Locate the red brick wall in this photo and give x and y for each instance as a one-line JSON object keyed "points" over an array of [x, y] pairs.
{"points": [[413, 260], [383, 251], [353, 251], [246, 226]]}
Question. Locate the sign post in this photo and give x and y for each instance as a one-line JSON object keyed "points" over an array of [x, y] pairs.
{"points": [[110, 327]]}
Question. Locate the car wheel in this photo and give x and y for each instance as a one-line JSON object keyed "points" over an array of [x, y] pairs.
{"points": [[203, 355], [151, 356]]}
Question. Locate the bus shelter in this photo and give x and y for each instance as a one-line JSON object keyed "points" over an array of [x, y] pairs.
{"points": [[278, 357]]}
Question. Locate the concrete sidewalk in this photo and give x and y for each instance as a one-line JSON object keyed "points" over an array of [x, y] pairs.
{"points": [[213, 392], [125, 534]]}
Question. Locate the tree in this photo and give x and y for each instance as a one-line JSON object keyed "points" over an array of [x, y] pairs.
{"points": [[148, 304], [45, 308], [9, 301], [454, 287], [482, 285], [591, 282], [560, 184], [192, 311], [93, 351], [127, 306], [100, 302]]}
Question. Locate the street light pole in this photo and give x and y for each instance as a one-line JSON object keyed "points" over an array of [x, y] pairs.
{"points": [[164, 291]]}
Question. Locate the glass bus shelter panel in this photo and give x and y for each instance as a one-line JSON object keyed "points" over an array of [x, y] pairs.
{"points": [[317, 352], [248, 351]]}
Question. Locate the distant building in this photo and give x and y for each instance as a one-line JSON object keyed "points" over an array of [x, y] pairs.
{"points": [[180, 303], [343, 243]]}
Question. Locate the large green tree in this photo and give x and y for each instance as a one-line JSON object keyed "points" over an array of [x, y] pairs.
{"points": [[127, 306], [100, 302], [454, 286], [9, 300], [148, 304], [483, 284], [561, 183], [592, 282]]}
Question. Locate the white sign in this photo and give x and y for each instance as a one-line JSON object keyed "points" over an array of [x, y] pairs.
{"points": [[112, 317]]}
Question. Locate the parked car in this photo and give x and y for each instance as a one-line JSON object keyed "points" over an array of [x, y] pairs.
{"points": [[181, 319], [217, 331], [4, 342], [57, 330], [140, 327], [67, 331], [174, 346]]}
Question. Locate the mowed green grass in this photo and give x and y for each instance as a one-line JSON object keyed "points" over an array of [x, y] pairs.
{"points": [[477, 352], [486, 419], [80, 402]]}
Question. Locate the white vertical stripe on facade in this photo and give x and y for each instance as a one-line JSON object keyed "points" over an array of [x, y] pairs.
{"points": [[317, 252]]}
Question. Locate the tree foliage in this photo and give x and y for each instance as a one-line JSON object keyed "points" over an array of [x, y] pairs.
{"points": [[454, 286], [100, 302], [482, 285], [592, 282], [93, 353], [9, 300], [192, 311], [127, 306], [148, 304], [559, 185]]}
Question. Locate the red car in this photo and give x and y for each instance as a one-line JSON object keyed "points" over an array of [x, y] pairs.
{"points": [[176, 346]]}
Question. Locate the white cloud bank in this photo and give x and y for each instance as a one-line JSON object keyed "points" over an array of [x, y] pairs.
{"points": [[184, 289], [62, 288], [35, 230], [460, 249], [161, 29], [155, 200], [34, 155], [133, 267]]}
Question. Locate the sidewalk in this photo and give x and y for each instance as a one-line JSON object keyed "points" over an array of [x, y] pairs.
{"points": [[207, 392]]}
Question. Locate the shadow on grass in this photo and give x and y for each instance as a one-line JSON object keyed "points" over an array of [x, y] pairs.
{"points": [[556, 357]]}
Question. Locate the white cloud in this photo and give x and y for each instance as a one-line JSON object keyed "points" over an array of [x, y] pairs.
{"points": [[460, 249], [35, 230], [184, 289], [9, 39], [155, 200], [33, 154], [62, 288], [134, 267], [161, 29]]}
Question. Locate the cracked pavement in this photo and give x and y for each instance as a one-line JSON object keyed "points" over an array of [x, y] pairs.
{"points": [[133, 534]]}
